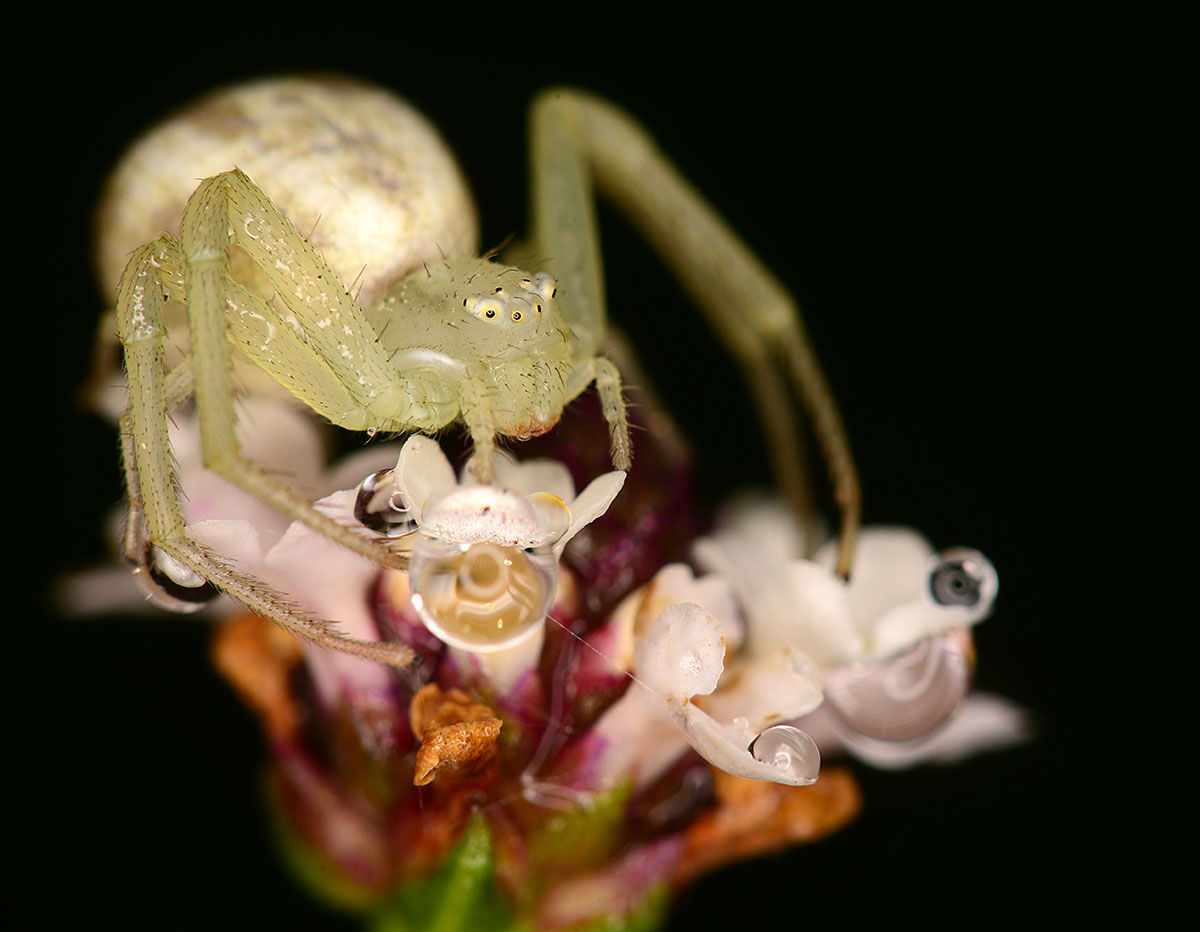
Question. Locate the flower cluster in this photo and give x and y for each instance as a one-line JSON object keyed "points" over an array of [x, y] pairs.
{"points": [[607, 704]]}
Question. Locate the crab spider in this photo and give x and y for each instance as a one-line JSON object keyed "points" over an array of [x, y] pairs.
{"points": [[438, 337]]}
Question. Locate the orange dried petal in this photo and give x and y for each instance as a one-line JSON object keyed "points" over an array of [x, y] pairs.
{"points": [[465, 745], [256, 658], [753, 818], [431, 707], [455, 733]]}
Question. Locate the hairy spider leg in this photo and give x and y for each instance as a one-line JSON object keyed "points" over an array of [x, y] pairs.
{"points": [[578, 138], [154, 514], [563, 225]]}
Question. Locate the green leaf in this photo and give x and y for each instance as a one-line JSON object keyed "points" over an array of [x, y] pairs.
{"points": [[460, 897], [580, 838]]}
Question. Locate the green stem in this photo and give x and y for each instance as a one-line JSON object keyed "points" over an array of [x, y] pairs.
{"points": [[470, 873]]}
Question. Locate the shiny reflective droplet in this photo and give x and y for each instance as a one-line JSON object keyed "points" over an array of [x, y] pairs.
{"points": [[904, 697], [789, 749], [380, 507], [482, 596], [960, 577], [174, 586]]}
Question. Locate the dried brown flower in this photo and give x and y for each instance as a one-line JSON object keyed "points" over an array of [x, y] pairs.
{"points": [[455, 733]]}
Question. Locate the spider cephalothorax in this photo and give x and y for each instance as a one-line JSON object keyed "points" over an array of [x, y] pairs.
{"points": [[487, 341]]}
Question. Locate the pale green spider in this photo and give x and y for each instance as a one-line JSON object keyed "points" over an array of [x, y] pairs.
{"points": [[502, 349]]}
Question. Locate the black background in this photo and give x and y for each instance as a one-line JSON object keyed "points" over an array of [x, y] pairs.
{"points": [[915, 205]]}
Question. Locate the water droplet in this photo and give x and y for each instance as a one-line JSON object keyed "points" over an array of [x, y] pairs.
{"points": [[483, 596], [380, 507], [174, 586], [789, 749], [962, 577], [554, 513]]}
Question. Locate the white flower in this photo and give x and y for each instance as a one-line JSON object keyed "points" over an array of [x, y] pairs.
{"points": [[684, 695], [892, 645], [426, 479], [484, 565], [275, 435], [328, 582], [682, 656]]}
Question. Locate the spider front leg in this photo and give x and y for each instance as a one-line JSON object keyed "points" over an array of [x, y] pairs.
{"points": [[607, 379], [219, 308], [155, 519], [315, 341], [578, 138]]}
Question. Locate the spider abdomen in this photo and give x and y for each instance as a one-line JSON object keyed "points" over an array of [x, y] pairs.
{"points": [[360, 172]]}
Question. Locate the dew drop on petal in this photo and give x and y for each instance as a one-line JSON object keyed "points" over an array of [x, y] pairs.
{"points": [[380, 506], [554, 512], [789, 749], [962, 577]]}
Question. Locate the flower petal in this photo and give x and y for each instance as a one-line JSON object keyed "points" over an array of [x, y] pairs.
{"points": [[890, 567], [236, 540], [591, 503], [905, 625], [717, 745], [329, 582], [963, 599], [796, 603], [908, 695], [503, 669], [635, 739], [526, 477], [422, 473], [822, 619], [675, 582], [683, 653], [776, 688], [984, 723]]}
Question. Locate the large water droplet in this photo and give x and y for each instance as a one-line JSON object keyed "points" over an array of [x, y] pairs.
{"points": [[963, 577], [173, 586], [380, 507], [789, 749], [483, 596]]}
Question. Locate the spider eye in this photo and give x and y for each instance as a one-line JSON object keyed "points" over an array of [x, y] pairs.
{"points": [[488, 312], [956, 581], [516, 315]]}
